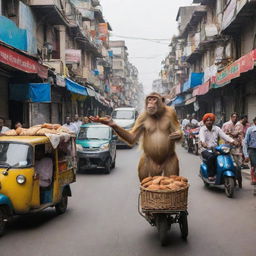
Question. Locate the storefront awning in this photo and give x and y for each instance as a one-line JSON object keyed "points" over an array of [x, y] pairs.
{"points": [[21, 62], [191, 100], [75, 87], [202, 89], [33, 92], [234, 70], [179, 100]]}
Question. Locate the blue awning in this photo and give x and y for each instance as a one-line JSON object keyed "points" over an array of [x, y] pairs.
{"points": [[33, 92], [178, 100], [75, 87], [194, 80]]}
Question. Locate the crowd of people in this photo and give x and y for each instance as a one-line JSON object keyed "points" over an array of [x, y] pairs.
{"points": [[237, 131]]}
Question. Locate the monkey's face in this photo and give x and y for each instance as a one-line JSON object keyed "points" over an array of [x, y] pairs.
{"points": [[152, 105]]}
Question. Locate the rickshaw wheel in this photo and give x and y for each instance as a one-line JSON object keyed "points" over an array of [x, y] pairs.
{"points": [[183, 221], [163, 227], [61, 207], [2, 222]]}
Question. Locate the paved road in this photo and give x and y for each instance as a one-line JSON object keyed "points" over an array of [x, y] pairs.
{"points": [[102, 220]]}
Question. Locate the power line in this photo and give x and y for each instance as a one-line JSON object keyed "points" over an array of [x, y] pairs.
{"points": [[154, 40]]}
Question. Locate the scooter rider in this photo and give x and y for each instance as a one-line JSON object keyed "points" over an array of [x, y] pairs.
{"points": [[208, 138]]}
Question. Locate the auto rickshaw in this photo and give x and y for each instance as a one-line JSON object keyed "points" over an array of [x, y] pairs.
{"points": [[25, 190]]}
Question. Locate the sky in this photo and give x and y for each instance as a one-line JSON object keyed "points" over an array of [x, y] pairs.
{"points": [[144, 19]]}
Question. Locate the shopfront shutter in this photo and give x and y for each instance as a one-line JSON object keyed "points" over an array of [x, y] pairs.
{"points": [[40, 113]]}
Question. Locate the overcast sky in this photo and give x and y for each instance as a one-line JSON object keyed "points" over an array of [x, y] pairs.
{"points": [[146, 19]]}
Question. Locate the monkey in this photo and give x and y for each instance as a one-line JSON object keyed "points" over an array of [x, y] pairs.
{"points": [[159, 129]]}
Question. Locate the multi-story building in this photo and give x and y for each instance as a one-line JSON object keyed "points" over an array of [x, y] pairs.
{"points": [[125, 85], [54, 60], [216, 54]]}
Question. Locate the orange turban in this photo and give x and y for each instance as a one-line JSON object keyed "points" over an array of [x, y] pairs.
{"points": [[209, 115]]}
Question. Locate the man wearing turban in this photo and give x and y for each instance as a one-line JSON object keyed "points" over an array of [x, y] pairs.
{"points": [[208, 138]]}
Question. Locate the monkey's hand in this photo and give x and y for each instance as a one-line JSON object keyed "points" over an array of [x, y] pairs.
{"points": [[107, 120], [175, 136]]}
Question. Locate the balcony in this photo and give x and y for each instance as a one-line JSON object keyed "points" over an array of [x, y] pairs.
{"points": [[236, 14], [52, 10], [192, 19]]}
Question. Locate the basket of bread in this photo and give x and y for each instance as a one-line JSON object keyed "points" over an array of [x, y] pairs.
{"points": [[164, 193]]}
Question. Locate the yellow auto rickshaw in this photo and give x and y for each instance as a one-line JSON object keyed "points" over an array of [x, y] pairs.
{"points": [[35, 174]]}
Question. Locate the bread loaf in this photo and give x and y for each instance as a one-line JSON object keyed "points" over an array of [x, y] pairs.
{"points": [[10, 133], [146, 180]]}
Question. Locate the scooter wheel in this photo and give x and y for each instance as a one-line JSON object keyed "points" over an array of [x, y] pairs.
{"points": [[229, 184]]}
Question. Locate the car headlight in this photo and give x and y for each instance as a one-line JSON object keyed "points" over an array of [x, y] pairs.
{"points": [[104, 147], [21, 179], [226, 150], [79, 147]]}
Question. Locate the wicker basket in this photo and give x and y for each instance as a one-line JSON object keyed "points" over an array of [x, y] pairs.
{"points": [[164, 200]]}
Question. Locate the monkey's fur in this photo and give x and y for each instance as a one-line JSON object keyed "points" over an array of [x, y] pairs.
{"points": [[159, 155]]}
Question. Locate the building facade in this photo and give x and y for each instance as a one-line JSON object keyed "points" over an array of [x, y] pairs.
{"points": [[212, 59]]}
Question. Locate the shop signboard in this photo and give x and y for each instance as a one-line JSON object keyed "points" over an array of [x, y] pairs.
{"points": [[73, 56], [21, 62]]}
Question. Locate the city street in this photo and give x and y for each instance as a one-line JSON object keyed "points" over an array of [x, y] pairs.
{"points": [[102, 219]]}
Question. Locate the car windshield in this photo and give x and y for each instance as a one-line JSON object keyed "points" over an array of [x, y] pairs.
{"points": [[123, 114], [15, 154], [96, 133]]}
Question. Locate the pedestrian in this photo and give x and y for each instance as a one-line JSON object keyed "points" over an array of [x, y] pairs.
{"points": [[208, 138], [18, 125], [186, 121], [77, 122], [194, 121], [240, 128], [86, 120], [249, 149], [229, 127], [3, 128], [71, 126]]}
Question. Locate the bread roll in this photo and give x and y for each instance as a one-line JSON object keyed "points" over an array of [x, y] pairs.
{"points": [[10, 133], [146, 180], [145, 185], [153, 187], [157, 180]]}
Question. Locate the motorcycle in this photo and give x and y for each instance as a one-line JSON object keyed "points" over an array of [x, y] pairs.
{"points": [[227, 172], [193, 140]]}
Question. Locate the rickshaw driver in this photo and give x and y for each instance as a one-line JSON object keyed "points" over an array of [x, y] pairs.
{"points": [[43, 167]]}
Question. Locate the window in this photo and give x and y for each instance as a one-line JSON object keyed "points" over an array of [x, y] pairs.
{"points": [[15, 155]]}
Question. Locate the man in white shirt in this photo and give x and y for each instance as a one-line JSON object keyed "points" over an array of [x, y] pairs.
{"points": [[77, 122], [3, 128], [71, 126], [43, 167], [194, 122], [186, 121], [208, 138]]}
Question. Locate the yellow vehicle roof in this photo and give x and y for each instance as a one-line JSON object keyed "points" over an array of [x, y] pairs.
{"points": [[34, 140]]}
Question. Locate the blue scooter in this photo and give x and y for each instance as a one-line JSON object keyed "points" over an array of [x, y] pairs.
{"points": [[227, 172]]}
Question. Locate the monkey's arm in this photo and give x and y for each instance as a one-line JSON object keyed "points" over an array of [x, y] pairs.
{"points": [[130, 137], [177, 133]]}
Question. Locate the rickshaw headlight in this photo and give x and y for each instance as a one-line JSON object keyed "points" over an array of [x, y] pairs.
{"points": [[21, 179]]}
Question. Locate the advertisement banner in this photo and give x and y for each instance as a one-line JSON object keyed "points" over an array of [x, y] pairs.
{"points": [[103, 31], [73, 56]]}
